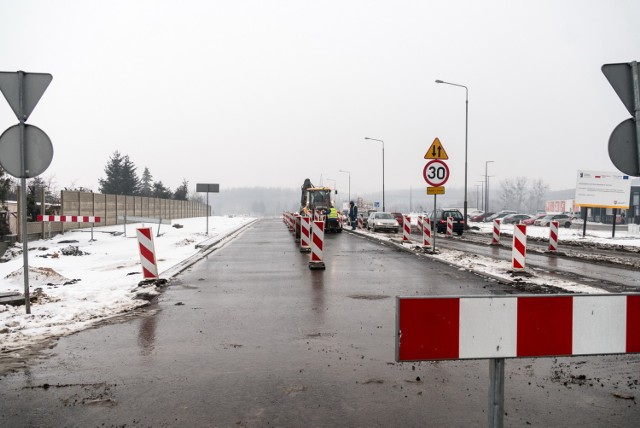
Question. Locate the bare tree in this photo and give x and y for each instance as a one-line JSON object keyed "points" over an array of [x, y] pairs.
{"points": [[536, 196]]}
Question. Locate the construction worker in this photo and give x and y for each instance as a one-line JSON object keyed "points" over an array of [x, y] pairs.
{"points": [[332, 218], [353, 214]]}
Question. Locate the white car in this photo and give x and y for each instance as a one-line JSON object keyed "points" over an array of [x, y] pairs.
{"points": [[382, 221]]}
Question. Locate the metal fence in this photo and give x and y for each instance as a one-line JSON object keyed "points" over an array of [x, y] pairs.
{"points": [[111, 208]]}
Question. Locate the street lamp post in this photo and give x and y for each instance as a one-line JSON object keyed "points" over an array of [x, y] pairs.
{"points": [[466, 134], [482, 183], [486, 186], [375, 139], [347, 172]]}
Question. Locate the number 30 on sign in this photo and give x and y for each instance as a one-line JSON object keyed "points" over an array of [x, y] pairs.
{"points": [[436, 173]]}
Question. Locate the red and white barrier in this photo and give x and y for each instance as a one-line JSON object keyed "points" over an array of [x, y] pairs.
{"points": [[147, 253], [419, 223], [406, 228], [360, 222], [69, 218], [437, 328], [496, 232], [305, 234], [317, 245], [519, 250], [449, 227], [553, 236], [426, 233]]}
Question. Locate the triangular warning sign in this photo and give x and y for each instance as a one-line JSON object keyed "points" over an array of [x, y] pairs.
{"points": [[436, 151]]}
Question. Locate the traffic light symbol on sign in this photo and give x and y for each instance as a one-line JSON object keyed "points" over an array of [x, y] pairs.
{"points": [[436, 151]]}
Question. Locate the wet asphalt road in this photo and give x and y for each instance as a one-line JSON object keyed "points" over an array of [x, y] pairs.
{"points": [[252, 337]]}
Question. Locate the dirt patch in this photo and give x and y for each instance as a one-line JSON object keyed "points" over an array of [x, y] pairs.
{"points": [[368, 296]]}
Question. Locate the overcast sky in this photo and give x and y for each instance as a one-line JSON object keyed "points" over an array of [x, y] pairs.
{"points": [[268, 93]]}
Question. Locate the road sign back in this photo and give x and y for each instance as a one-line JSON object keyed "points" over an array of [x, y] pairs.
{"points": [[621, 78], [34, 85], [436, 151]]}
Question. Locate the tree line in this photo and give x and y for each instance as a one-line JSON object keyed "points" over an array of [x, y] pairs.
{"points": [[121, 178]]}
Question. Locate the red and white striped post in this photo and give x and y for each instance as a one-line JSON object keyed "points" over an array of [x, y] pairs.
{"points": [[519, 251], [553, 236], [317, 245], [449, 227], [426, 233], [305, 234], [360, 222], [70, 219], [419, 223], [147, 253], [406, 228], [496, 232]]}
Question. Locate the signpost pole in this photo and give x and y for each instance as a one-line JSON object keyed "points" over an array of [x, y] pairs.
{"points": [[496, 392], [23, 194], [206, 232], [636, 116], [434, 225], [584, 221], [613, 227]]}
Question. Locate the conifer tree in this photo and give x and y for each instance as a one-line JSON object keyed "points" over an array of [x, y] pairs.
{"points": [[182, 192], [146, 183], [121, 177]]}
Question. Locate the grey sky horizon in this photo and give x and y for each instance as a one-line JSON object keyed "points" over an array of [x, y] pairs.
{"points": [[268, 93]]}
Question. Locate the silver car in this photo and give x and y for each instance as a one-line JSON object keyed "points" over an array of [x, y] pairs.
{"points": [[382, 221]]}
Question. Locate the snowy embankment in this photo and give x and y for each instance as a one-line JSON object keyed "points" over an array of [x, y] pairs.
{"points": [[531, 280], [77, 282]]}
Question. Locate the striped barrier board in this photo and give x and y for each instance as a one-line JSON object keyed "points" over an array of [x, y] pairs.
{"points": [[317, 245], [69, 218], [496, 232], [480, 327], [519, 248], [406, 228], [305, 234], [449, 227], [426, 233], [147, 253], [553, 236]]}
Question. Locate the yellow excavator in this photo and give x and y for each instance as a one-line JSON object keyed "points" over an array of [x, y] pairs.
{"points": [[317, 199]]}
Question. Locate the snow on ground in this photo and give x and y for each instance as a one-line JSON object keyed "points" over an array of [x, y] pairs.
{"points": [[79, 282], [623, 236]]}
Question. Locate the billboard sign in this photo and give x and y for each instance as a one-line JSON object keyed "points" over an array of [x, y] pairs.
{"points": [[601, 189]]}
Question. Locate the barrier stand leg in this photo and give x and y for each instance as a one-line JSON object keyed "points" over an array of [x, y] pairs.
{"points": [[496, 392]]}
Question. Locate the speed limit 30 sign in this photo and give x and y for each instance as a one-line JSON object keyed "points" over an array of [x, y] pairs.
{"points": [[436, 173]]}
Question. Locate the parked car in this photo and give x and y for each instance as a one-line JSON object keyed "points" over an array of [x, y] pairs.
{"points": [[481, 217], [365, 217], [439, 220], [515, 218], [498, 215], [563, 220], [530, 221], [382, 221]]}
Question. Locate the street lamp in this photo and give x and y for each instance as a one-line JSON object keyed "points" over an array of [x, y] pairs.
{"points": [[482, 183], [486, 186], [466, 134], [347, 172], [375, 139]]}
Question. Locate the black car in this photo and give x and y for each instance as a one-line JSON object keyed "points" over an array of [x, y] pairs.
{"points": [[439, 221]]}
